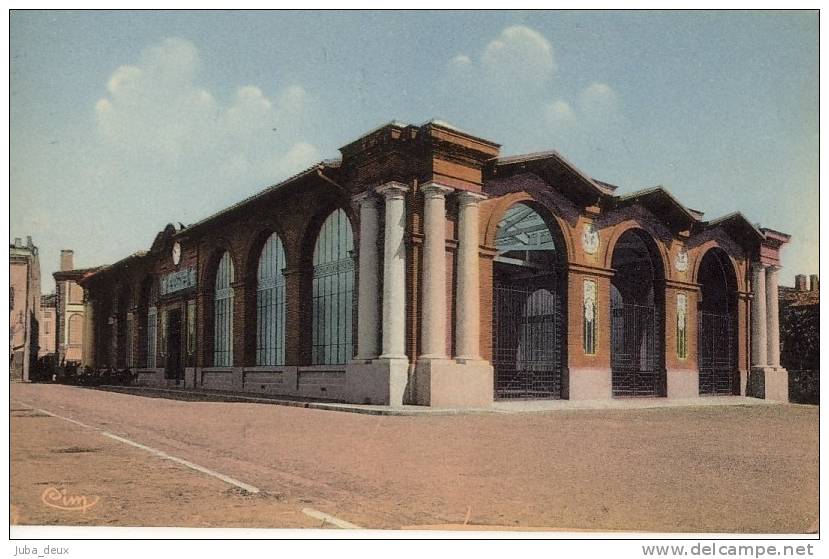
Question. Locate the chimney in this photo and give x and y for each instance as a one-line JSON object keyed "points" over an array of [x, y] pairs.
{"points": [[17, 242], [29, 242], [66, 260], [800, 282], [815, 283]]}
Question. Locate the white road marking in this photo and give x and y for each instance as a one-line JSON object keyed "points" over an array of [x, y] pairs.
{"points": [[70, 420], [191, 465], [331, 519], [159, 453]]}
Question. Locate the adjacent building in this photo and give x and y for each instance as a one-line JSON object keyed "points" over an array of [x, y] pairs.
{"points": [[70, 310], [47, 325], [24, 308], [423, 267], [800, 329]]}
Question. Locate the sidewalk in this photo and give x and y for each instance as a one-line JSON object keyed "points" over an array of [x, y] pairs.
{"points": [[498, 407]]}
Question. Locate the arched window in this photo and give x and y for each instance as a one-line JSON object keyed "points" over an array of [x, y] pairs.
{"points": [[148, 318], [223, 314], [75, 329], [333, 292], [270, 304]]}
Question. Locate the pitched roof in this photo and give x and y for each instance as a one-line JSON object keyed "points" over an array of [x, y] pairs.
{"points": [[661, 201], [327, 163]]}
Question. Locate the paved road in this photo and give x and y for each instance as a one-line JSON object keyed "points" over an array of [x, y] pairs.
{"points": [[714, 469]]}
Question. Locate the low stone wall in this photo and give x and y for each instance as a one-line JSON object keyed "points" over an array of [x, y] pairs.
{"points": [[150, 377], [325, 382]]}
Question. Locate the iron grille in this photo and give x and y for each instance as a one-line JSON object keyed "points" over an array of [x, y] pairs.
{"points": [[527, 340], [717, 364], [635, 362]]}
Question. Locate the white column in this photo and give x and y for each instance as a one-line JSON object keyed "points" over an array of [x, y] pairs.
{"points": [[759, 347], [772, 317], [394, 271], [368, 302], [433, 291], [467, 309]]}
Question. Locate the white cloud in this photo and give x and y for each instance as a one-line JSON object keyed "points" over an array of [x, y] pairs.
{"points": [[518, 64], [300, 156], [598, 99], [559, 112], [513, 82], [519, 58], [156, 109]]}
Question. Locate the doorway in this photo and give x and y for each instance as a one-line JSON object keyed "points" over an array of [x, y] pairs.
{"points": [[636, 311], [173, 368], [528, 315], [717, 336]]}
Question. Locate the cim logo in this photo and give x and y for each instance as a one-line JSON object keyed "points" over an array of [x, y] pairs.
{"points": [[58, 499]]}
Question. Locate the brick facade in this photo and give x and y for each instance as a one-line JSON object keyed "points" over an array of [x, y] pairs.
{"points": [[568, 201]]}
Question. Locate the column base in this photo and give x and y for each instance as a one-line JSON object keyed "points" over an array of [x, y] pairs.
{"points": [[444, 382], [586, 383], [683, 383], [770, 383], [378, 381]]}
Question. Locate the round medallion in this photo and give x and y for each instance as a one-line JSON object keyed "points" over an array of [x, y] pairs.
{"points": [[681, 261], [176, 253], [590, 239]]}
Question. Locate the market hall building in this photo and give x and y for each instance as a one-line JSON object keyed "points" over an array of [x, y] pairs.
{"points": [[423, 268]]}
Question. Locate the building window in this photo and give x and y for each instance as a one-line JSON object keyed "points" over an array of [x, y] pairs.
{"points": [[333, 292], [589, 317], [270, 304], [75, 329], [113, 358], [191, 327], [223, 314], [128, 342], [162, 338], [681, 325], [75, 294], [152, 324]]}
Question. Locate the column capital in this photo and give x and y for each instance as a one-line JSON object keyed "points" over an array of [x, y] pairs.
{"points": [[433, 189], [367, 197], [757, 266], [467, 198], [392, 190]]}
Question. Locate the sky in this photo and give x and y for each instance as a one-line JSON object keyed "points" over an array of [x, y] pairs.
{"points": [[122, 121]]}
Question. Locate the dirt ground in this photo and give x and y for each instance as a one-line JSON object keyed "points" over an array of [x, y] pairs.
{"points": [[744, 469]]}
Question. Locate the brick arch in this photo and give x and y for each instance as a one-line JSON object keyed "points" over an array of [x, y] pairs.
{"points": [[254, 252], [697, 253], [211, 264], [714, 244], [312, 230], [306, 273], [208, 275], [653, 242], [498, 208]]}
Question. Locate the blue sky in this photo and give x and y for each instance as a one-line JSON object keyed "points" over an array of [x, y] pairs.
{"points": [[124, 121]]}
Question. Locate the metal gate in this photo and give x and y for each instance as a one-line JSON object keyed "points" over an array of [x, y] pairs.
{"points": [[635, 362], [526, 348], [716, 354]]}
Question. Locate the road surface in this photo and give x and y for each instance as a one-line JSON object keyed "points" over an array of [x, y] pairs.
{"points": [[160, 462]]}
